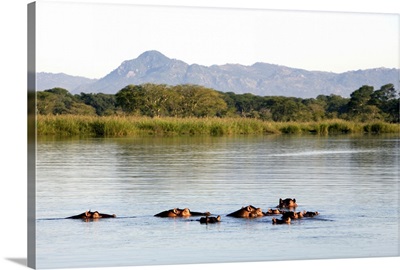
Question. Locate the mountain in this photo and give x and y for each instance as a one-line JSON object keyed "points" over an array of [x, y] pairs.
{"points": [[50, 80], [260, 78], [149, 67]]}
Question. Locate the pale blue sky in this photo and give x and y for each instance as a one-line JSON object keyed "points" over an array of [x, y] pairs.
{"points": [[93, 39]]}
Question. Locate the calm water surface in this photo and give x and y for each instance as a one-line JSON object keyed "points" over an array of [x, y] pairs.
{"points": [[352, 181]]}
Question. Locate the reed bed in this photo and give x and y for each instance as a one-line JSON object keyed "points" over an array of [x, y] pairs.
{"points": [[116, 126]]}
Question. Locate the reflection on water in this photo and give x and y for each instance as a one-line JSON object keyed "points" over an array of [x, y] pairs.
{"points": [[351, 181]]}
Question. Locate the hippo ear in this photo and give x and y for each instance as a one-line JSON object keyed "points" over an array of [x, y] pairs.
{"points": [[248, 208], [175, 211], [294, 200]]}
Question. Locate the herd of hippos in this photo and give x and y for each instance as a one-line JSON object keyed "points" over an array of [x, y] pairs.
{"points": [[286, 208]]}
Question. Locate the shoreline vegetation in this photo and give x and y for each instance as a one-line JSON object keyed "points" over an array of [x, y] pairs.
{"points": [[187, 110], [122, 126]]}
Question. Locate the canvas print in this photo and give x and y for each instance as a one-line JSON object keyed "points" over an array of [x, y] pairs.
{"points": [[163, 135]]}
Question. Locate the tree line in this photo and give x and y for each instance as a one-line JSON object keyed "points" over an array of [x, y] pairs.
{"points": [[160, 100]]}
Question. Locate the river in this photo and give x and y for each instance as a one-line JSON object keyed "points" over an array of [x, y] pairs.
{"points": [[352, 181]]}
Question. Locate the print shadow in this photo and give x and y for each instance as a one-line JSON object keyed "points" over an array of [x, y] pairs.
{"points": [[20, 261]]}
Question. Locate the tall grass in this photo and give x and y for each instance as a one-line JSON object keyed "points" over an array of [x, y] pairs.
{"points": [[112, 126]]}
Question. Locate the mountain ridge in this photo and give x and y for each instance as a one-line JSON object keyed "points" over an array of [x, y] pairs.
{"points": [[261, 78]]}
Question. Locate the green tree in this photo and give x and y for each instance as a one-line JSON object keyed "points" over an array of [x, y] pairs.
{"points": [[104, 104], [383, 95], [130, 99], [386, 99], [335, 105], [290, 109], [230, 100], [316, 108], [60, 101], [199, 101], [161, 100], [359, 107], [393, 110], [155, 100], [248, 105]]}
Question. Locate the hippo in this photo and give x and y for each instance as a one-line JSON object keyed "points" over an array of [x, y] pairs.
{"points": [[287, 203], [292, 215], [177, 212], [281, 221], [187, 213], [207, 220], [310, 214], [92, 215], [247, 212], [102, 215], [273, 212], [169, 213]]}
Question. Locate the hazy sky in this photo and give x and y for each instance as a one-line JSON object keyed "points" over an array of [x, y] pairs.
{"points": [[93, 39]]}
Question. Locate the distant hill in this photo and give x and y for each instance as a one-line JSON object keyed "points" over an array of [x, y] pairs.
{"points": [[260, 78], [50, 80]]}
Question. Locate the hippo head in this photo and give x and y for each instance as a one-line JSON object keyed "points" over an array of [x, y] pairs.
{"points": [[274, 211], [96, 215], [287, 203], [250, 208], [208, 219], [254, 212], [310, 214], [258, 212], [287, 220], [185, 212]]}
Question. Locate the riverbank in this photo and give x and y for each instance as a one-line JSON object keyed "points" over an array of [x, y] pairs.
{"points": [[114, 126]]}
